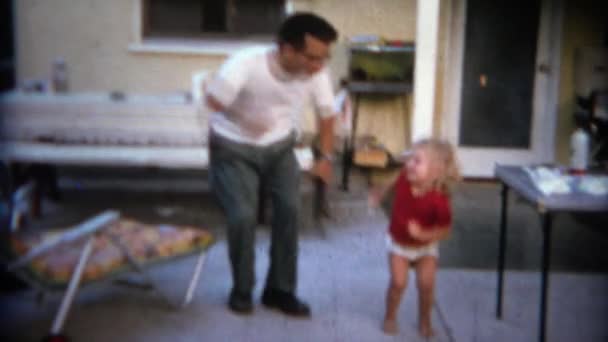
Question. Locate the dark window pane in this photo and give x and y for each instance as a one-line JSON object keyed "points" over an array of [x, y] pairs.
{"points": [[257, 16], [214, 15], [7, 55], [183, 18], [6, 30], [174, 17]]}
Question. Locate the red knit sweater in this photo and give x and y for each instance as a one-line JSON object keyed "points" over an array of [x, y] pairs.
{"points": [[430, 210]]}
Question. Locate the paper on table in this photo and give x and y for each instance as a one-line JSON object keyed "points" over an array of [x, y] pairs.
{"points": [[549, 181], [594, 185]]}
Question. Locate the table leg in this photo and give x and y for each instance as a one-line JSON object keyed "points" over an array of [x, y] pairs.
{"points": [[262, 199], [194, 280], [320, 206], [14, 176], [546, 262], [502, 242], [349, 146], [75, 279], [347, 159]]}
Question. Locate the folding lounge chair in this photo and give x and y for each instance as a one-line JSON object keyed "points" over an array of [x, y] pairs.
{"points": [[106, 234]]}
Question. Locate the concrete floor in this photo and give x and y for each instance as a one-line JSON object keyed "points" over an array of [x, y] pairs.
{"points": [[342, 273]]}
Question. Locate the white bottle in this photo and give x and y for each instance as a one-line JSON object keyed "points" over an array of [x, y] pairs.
{"points": [[60, 76], [579, 143]]}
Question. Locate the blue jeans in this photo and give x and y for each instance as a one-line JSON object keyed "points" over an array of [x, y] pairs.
{"points": [[236, 172]]}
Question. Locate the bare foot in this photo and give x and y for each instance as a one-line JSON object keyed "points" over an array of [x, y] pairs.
{"points": [[390, 327], [426, 330]]}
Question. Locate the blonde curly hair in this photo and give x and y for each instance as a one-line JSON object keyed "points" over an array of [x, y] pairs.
{"points": [[443, 160]]}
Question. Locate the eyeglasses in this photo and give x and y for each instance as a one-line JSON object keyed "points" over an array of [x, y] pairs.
{"points": [[313, 58]]}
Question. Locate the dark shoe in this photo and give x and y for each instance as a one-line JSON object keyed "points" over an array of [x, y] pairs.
{"points": [[240, 303], [288, 303]]}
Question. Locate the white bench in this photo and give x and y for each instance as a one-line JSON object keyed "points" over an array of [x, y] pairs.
{"points": [[124, 156], [95, 130]]}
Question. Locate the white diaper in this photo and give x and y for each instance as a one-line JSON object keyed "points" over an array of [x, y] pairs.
{"points": [[412, 253]]}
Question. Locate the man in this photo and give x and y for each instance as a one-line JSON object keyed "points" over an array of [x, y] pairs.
{"points": [[257, 96]]}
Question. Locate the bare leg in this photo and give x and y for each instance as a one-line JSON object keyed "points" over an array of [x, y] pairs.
{"points": [[399, 268], [426, 268]]}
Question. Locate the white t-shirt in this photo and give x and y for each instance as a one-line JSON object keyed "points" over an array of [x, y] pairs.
{"points": [[263, 102]]}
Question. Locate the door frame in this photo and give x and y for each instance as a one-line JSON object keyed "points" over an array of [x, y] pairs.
{"points": [[479, 161]]}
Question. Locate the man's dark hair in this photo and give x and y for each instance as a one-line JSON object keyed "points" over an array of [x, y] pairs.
{"points": [[294, 29]]}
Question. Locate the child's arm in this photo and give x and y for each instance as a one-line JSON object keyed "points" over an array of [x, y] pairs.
{"points": [[442, 233], [378, 192], [441, 229], [431, 235], [375, 195]]}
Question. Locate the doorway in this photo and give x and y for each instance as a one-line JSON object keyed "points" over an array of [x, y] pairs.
{"points": [[503, 63]]}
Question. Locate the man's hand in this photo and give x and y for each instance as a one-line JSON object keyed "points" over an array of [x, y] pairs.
{"points": [[212, 102], [323, 169], [323, 166]]}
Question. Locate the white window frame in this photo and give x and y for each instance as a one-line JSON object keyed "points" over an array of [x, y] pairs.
{"points": [[199, 46]]}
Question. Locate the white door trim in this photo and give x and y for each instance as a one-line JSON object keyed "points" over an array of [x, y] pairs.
{"points": [[479, 162], [427, 28], [550, 45]]}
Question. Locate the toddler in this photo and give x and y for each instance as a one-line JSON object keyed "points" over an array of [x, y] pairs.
{"points": [[420, 217]]}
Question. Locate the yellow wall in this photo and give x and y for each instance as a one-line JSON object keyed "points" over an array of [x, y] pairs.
{"points": [[94, 37], [584, 25]]}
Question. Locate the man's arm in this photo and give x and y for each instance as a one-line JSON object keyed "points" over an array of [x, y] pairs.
{"points": [[252, 126], [214, 104], [323, 166], [324, 100]]}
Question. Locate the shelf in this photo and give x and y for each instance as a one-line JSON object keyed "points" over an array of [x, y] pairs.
{"points": [[383, 48], [379, 87]]}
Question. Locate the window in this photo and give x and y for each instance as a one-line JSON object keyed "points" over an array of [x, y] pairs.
{"points": [[211, 18]]}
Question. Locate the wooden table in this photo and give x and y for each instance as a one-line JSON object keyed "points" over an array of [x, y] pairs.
{"points": [[516, 178]]}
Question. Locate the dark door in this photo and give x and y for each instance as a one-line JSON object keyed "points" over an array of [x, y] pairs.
{"points": [[498, 75]]}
